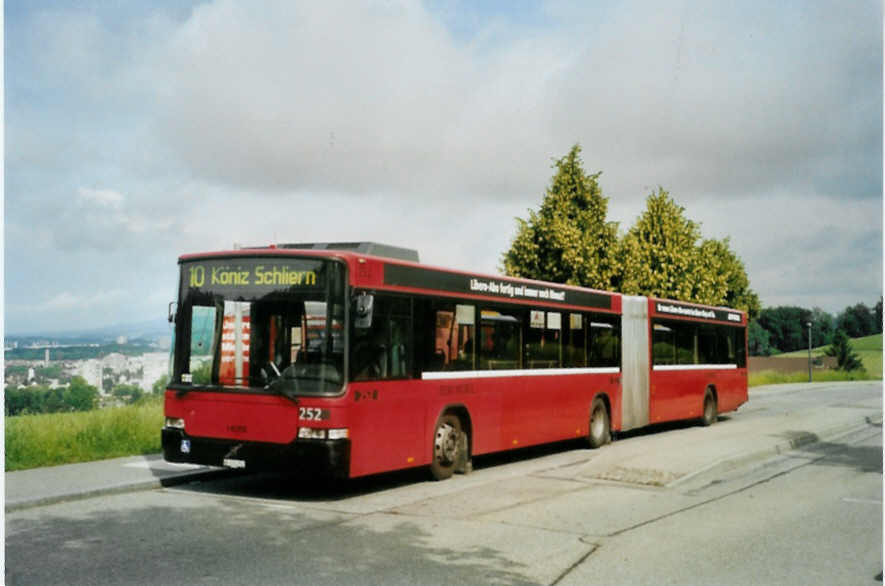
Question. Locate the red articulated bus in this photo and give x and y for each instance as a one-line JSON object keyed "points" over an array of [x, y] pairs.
{"points": [[353, 359]]}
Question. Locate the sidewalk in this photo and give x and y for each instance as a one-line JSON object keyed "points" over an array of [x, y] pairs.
{"points": [[775, 427], [43, 486], [673, 457]]}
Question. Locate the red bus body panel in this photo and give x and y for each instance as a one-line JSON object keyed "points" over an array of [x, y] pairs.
{"points": [[395, 430], [679, 393]]}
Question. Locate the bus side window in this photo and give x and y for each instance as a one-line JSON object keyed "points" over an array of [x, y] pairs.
{"points": [[499, 340], [574, 345], [664, 344], [686, 343], [605, 341], [453, 337], [739, 336], [542, 339]]}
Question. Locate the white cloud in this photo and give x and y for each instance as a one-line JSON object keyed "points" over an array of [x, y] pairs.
{"points": [[136, 134], [363, 100], [383, 99], [106, 198]]}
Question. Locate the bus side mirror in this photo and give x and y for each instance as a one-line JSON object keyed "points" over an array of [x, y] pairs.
{"points": [[364, 304], [173, 310]]}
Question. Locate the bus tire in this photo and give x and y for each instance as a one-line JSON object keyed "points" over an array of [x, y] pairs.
{"points": [[447, 445], [600, 424], [710, 415]]}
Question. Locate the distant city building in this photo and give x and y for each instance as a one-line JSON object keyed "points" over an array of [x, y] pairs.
{"points": [[156, 366], [90, 370]]}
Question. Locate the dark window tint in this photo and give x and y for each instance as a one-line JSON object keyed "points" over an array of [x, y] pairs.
{"points": [[687, 343], [543, 337], [499, 340], [605, 341], [574, 343], [664, 345]]}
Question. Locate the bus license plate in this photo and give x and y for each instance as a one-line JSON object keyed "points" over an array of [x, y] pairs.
{"points": [[232, 463]]}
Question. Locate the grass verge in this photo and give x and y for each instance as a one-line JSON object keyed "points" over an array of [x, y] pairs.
{"points": [[771, 377], [64, 438]]}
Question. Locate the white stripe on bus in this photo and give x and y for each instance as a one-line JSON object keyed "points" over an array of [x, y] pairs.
{"points": [[695, 367], [516, 372]]}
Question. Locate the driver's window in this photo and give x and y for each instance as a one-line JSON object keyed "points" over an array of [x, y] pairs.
{"points": [[383, 351]]}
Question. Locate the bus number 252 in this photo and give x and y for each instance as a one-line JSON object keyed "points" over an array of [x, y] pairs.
{"points": [[312, 414]]}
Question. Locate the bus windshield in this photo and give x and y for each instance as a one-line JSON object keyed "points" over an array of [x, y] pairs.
{"points": [[275, 324]]}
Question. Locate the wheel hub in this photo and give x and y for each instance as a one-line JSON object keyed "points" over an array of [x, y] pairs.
{"points": [[597, 423], [446, 444]]}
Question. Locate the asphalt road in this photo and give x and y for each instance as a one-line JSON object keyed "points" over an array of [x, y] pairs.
{"points": [[637, 512], [813, 516]]}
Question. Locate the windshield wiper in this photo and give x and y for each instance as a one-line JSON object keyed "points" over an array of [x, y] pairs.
{"points": [[283, 390]]}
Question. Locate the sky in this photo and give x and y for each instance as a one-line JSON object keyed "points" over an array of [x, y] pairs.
{"points": [[137, 132]]}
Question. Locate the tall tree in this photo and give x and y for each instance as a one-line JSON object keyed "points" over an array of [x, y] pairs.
{"points": [[661, 255], [568, 240], [857, 321], [759, 340], [723, 279], [822, 329], [787, 327]]}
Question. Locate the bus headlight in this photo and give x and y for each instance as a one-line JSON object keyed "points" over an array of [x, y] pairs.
{"points": [[342, 433], [321, 434], [175, 423], [311, 433]]}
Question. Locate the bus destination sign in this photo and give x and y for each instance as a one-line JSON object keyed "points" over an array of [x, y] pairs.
{"points": [[403, 276], [691, 311], [226, 276]]}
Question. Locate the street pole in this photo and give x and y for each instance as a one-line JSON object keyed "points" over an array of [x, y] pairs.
{"points": [[809, 351]]}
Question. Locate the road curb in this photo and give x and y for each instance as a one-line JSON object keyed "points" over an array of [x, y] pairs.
{"points": [[137, 486], [807, 438]]}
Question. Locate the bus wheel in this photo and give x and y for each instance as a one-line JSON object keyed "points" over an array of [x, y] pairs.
{"points": [[446, 447], [600, 428], [709, 417]]}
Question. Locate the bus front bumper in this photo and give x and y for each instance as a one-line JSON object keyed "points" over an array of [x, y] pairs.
{"points": [[322, 457]]}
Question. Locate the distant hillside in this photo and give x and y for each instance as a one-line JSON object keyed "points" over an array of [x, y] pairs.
{"points": [[869, 348], [142, 330]]}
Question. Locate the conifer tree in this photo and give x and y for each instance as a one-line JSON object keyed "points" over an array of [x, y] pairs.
{"points": [[846, 359], [661, 256], [568, 240]]}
